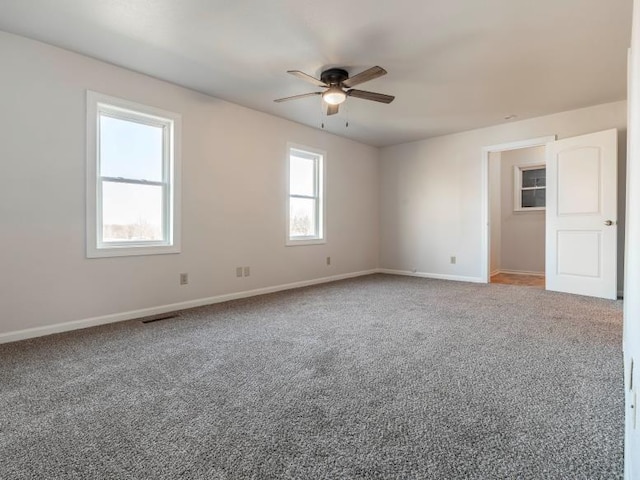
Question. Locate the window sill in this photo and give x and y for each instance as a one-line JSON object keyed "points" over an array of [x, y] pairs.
{"points": [[132, 251], [530, 209], [306, 241]]}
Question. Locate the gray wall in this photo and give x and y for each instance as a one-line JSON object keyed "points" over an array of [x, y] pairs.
{"points": [[495, 212], [431, 191], [233, 198]]}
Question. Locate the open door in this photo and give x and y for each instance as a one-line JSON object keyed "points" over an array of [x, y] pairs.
{"points": [[581, 213]]}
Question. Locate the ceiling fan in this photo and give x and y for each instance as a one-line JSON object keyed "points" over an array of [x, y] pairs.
{"points": [[338, 87]]}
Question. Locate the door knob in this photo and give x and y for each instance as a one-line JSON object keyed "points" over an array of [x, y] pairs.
{"points": [[608, 223]]}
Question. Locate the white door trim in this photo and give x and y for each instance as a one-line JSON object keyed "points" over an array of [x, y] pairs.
{"points": [[484, 192]]}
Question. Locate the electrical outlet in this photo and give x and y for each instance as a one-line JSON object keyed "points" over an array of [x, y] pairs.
{"points": [[247, 271], [328, 260], [184, 278], [238, 272], [453, 260]]}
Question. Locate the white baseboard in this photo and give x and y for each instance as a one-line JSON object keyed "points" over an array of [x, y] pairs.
{"points": [[146, 312], [518, 272], [437, 276]]}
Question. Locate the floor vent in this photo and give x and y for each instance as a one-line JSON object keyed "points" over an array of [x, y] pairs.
{"points": [[158, 318]]}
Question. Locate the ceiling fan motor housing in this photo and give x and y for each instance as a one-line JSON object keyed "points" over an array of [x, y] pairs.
{"points": [[334, 76]]}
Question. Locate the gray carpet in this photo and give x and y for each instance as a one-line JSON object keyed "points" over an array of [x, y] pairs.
{"points": [[376, 377]]}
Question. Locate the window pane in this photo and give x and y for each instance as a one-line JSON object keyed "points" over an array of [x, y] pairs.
{"points": [[302, 217], [302, 176], [534, 178], [130, 149], [131, 212], [534, 198]]}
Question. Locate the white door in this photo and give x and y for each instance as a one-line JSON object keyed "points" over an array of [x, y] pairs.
{"points": [[581, 214]]}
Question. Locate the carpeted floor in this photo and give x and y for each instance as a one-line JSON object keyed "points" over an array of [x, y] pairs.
{"points": [[376, 377]]}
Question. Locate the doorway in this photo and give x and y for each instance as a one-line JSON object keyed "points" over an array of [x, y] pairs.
{"points": [[514, 179], [517, 197], [580, 216]]}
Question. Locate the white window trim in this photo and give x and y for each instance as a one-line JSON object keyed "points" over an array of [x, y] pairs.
{"points": [[97, 102], [321, 176], [517, 186]]}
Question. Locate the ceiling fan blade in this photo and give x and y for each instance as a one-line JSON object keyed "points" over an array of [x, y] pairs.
{"points": [[295, 97], [376, 97], [307, 78], [370, 74], [332, 109]]}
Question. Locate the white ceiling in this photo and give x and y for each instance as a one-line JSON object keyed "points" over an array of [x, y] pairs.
{"points": [[453, 65]]}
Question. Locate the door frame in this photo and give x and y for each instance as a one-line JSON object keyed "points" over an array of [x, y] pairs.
{"points": [[485, 227]]}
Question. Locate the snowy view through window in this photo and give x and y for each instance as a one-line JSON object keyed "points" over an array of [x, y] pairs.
{"points": [[303, 195], [131, 171]]}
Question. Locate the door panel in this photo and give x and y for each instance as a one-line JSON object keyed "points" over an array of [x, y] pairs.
{"points": [[579, 253], [581, 200], [579, 181]]}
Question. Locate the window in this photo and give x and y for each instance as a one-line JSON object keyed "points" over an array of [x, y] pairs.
{"points": [[132, 178], [305, 207], [530, 187]]}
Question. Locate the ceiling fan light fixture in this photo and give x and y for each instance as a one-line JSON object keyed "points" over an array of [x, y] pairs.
{"points": [[334, 96]]}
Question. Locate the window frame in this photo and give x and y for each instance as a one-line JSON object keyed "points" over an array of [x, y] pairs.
{"points": [[518, 188], [320, 197], [100, 104]]}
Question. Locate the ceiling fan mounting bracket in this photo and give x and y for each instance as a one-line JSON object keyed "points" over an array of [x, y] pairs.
{"points": [[334, 76]]}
